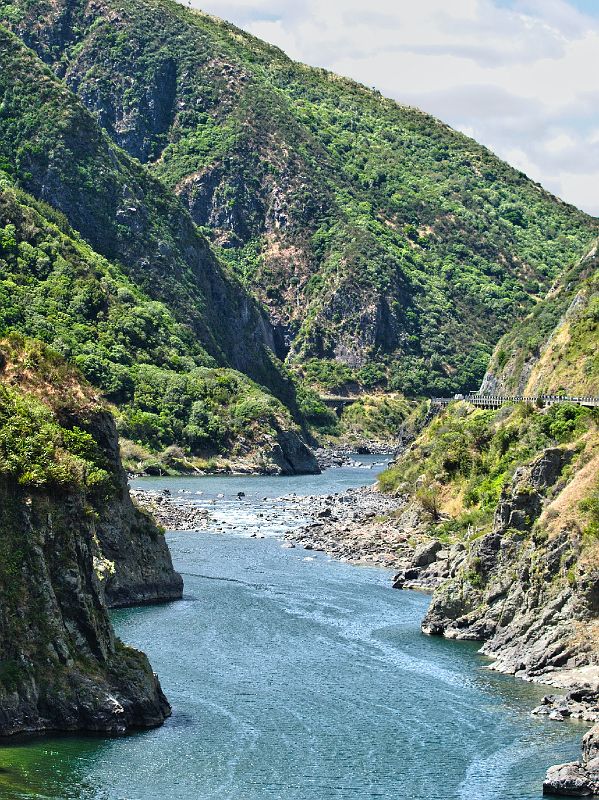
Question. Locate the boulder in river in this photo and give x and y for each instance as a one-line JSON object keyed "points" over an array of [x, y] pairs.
{"points": [[578, 778]]}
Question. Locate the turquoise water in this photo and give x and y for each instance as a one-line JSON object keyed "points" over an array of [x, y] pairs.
{"points": [[293, 677]]}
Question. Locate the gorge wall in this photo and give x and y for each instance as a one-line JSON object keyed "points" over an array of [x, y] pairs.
{"points": [[71, 540]]}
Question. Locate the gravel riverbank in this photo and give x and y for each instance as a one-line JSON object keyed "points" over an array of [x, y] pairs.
{"points": [[171, 513]]}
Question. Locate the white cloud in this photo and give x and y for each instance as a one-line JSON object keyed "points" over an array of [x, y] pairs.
{"points": [[523, 80], [560, 143]]}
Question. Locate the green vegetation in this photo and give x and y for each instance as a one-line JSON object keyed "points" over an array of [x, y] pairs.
{"points": [[376, 234], [323, 419], [559, 339], [121, 327], [590, 507], [54, 287], [464, 458], [392, 251], [37, 448], [179, 302], [207, 410], [376, 417]]}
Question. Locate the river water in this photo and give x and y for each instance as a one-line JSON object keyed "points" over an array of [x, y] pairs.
{"points": [[294, 677]]}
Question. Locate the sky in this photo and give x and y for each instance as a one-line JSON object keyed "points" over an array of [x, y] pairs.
{"points": [[519, 76]]}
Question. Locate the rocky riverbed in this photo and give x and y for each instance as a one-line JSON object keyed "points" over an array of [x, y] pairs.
{"points": [[171, 513], [344, 455], [363, 526], [581, 703]]}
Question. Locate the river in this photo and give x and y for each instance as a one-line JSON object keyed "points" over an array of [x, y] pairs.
{"points": [[294, 677]]}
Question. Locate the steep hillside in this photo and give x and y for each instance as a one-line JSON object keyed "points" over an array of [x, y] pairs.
{"points": [[517, 489], [64, 503], [554, 350], [102, 314], [374, 234], [54, 287], [54, 149]]}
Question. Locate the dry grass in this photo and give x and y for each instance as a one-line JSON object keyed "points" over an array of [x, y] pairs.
{"points": [[34, 368], [564, 513]]}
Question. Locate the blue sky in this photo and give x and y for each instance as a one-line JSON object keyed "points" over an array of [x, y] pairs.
{"points": [[585, 6], [520, 76]]}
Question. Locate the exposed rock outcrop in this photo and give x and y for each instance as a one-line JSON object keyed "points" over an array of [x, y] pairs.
{"points": [[578, 778], [61, 666], [291, 455], [137, 563], [521, 593], [531, 596]]}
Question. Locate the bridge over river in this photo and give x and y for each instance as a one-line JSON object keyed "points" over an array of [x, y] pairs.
{"points": [[496, 400]]}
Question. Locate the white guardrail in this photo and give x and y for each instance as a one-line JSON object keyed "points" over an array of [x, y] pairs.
{"points": [[496, 400]]}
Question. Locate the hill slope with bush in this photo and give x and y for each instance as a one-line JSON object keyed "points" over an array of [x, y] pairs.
{"points": [[374, 234], [54, 149], [161, 312], [554, 350], [54, 287]]}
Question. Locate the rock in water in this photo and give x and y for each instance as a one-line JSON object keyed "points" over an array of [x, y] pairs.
{"points": [[578, 778]]}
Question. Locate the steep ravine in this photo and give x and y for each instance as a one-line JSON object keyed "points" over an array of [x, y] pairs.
{"points": [[374, 235]]}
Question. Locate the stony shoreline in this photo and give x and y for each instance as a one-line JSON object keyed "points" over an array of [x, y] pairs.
{"points": [[346, 455], [364, 527], [326, 458], [169, 513]]}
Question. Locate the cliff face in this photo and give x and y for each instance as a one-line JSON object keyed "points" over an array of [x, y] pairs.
{"points": [[579, 778], [60, 664], [529, 589], [135, 563], [512, 501], [64, 512]]}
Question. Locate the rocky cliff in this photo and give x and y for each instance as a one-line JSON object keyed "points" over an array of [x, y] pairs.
{"points": [[63, 504], [528, 589], [578, 778], [135, 562], [61, 666]]}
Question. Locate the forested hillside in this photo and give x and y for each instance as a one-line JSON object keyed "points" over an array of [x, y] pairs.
{"points": [[54, 149], [374, 234], [154, 322]]}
